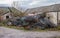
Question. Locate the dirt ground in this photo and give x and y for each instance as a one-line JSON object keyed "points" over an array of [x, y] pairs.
{"points": [[13, 33]]}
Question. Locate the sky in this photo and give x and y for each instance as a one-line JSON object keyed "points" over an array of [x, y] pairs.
{"points": [[31, 3], [38, 3]]}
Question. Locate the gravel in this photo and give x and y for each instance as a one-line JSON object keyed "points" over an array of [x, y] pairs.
{"points": [[13, 33]]}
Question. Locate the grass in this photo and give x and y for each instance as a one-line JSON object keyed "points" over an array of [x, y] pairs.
{"points": [[14, 27], [21, 28]]}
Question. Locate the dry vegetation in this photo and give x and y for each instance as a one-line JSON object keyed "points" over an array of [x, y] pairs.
{"points": [[14, 11], [3, 24], [17, 12]]}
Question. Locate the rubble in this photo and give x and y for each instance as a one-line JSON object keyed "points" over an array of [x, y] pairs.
{"points": [[31, 22]]}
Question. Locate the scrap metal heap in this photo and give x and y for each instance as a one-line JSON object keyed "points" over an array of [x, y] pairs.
{"points": [[31, 22]]}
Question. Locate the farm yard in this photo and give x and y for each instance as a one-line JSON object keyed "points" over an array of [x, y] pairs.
{"points": [[34, 18], [46, 19], [33, 23]]}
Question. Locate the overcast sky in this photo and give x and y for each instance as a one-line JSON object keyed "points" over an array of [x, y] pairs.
{"points": [[31, 3]]}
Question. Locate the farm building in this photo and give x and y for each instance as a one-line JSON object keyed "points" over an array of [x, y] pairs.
{"points": [[8, 12], [5, 13], [52, 12], [5, 16]]}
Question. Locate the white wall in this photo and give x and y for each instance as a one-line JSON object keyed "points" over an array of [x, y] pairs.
{"points": [[53, 17]]}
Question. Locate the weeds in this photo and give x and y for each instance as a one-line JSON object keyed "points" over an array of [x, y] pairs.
{"points": [[21, 28]]}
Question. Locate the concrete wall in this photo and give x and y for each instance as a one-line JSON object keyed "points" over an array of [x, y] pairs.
{"points": [[52, 16], [4, 16]]}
